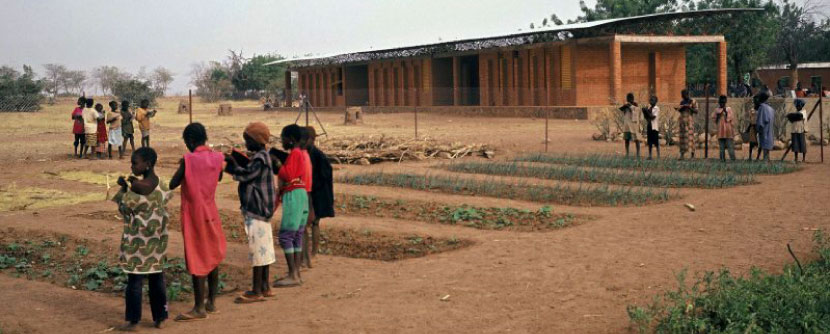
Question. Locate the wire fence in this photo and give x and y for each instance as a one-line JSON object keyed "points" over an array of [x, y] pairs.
{"points": [[20, 103]]}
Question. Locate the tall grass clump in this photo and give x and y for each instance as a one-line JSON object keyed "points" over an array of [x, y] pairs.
{"points": [[560, 194], [795, 301], [636, 177], [698, 166]]}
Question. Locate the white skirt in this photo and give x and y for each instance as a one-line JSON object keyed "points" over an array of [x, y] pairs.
{"points": [[260, 242]]}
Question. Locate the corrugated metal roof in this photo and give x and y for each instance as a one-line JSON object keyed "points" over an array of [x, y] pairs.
{"points": [[802, 65], [560, 32]]}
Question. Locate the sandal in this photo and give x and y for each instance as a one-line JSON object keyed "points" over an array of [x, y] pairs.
{"points": [[282, 284], [269, 293], [245, 299], [187, 317]]}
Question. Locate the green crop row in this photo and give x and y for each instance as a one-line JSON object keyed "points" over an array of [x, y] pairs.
{"points": [[697, 166], [559, 194]]}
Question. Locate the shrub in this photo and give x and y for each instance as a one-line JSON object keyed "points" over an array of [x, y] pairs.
{"points": [[134, 91], [19, 92], [794, 301]]}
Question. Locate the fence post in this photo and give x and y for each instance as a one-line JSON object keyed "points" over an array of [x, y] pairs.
{"points": [[706, 136], [547, 113], [190, 104], [416, 122], [821, 125]]}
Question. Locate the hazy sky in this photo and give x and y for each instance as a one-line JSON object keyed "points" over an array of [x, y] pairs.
{"points": [[83, 34]]}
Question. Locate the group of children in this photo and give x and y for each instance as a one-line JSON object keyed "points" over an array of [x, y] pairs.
{"points": [[298, 178], [97, 131], [759, 132]]}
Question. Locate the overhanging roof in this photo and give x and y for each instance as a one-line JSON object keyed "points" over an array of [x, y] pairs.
{"points": [[800, 66], [560, 32]]}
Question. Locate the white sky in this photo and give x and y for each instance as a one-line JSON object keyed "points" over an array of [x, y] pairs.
{"points": [[83, 34]]}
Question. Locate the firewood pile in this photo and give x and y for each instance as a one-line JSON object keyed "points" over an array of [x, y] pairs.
{"points": [[375, 149]]}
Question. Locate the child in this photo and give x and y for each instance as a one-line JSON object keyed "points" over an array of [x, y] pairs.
{"points": [[78, 126], [686, 123], [751, 132], [143, 116], [115, 138], [305, 133], [652, 115], [127, 126], [90, 127], [204, 241], [725, 120], [102, 131], [798, 128], [322, 193], [631, 124], [293, 176], [258, 201], [143, 204]]}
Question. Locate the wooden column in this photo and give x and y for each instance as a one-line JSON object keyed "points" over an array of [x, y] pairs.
{"points": [[615, 63], [456, 81], [287, 91], [657, 82], [514, 81], [426, 73], [721, 59]]}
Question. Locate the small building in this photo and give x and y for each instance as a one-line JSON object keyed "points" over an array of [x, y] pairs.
{"points": [[575, 65], [813, 76]]}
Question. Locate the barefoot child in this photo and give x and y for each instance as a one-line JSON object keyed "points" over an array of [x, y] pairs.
{"points": [[101, 147], [90, 128], [257, 196], [752, 133], [686, 123], [725, 119], [798, 128], [127, 126], [305, 134], [143, 116], [295, 203], [115, 138], [78, 127], [652, 115], [143, 204], [631, 124], [322, 193], [204, 241]]}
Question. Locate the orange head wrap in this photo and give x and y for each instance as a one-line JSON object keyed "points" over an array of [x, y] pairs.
{"points": [[259, 132]]}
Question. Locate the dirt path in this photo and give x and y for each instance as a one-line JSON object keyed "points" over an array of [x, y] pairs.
{"points": [[574, 280]]}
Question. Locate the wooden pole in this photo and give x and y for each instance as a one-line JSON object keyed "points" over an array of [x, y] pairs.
{"points": [[546, 131], [190, 104], [706, 136], [416, 123], [821, 125]]}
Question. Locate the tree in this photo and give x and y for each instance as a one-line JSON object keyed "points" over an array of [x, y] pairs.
{"points": [[74, 82], [55, 76], [212, 81], [161, 79], [106, 76], [255, 77], [20, 92], [133, 90], [796, 23]]}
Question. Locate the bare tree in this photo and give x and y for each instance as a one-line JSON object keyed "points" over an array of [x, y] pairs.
{"points": [[55, 75], [106, 76], [161, 79], [74, 81]]}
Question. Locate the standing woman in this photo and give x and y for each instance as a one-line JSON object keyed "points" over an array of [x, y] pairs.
{"points": [[765, 125], [199, 174], [686, 122]]}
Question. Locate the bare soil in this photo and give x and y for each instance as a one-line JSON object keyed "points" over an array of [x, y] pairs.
{"points": [[572, 280]]}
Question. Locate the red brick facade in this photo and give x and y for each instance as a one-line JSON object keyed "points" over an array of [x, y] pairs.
{"points": [[590, 72]]}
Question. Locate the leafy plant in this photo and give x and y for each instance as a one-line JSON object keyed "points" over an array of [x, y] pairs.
{"points": [[696, 166]]}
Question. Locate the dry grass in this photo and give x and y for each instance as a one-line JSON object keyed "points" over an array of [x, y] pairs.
{"points": [[14, 198]]}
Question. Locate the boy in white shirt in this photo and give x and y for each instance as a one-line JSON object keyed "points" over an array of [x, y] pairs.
{"points": [[652, 114]]}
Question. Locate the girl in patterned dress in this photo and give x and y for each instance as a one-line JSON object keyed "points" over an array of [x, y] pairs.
{"points": [[143, 204], [686, 122]]}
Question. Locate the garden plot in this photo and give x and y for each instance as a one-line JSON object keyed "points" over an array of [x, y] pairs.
{"points": [[334, 241], [624, 177], [87, 265], [698, 166], [14, 198], [486, 218], [581, 195]]}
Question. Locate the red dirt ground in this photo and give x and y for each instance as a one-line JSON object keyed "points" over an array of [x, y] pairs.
{"points": [[574, 280]]}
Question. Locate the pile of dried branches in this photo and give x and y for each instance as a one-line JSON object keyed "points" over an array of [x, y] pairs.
{"points": [[374, 149]]}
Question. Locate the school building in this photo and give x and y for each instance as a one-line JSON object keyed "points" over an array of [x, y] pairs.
{"points": [[565, 68], [814, 76]]}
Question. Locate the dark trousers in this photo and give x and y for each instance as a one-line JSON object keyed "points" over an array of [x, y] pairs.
{"points": [[158, 297]]}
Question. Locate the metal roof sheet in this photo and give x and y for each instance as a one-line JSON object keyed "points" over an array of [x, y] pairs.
{"points": [[559, 32]]}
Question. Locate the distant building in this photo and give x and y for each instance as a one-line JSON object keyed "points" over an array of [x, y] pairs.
{"points": [[585, 64], [813, 76]]}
